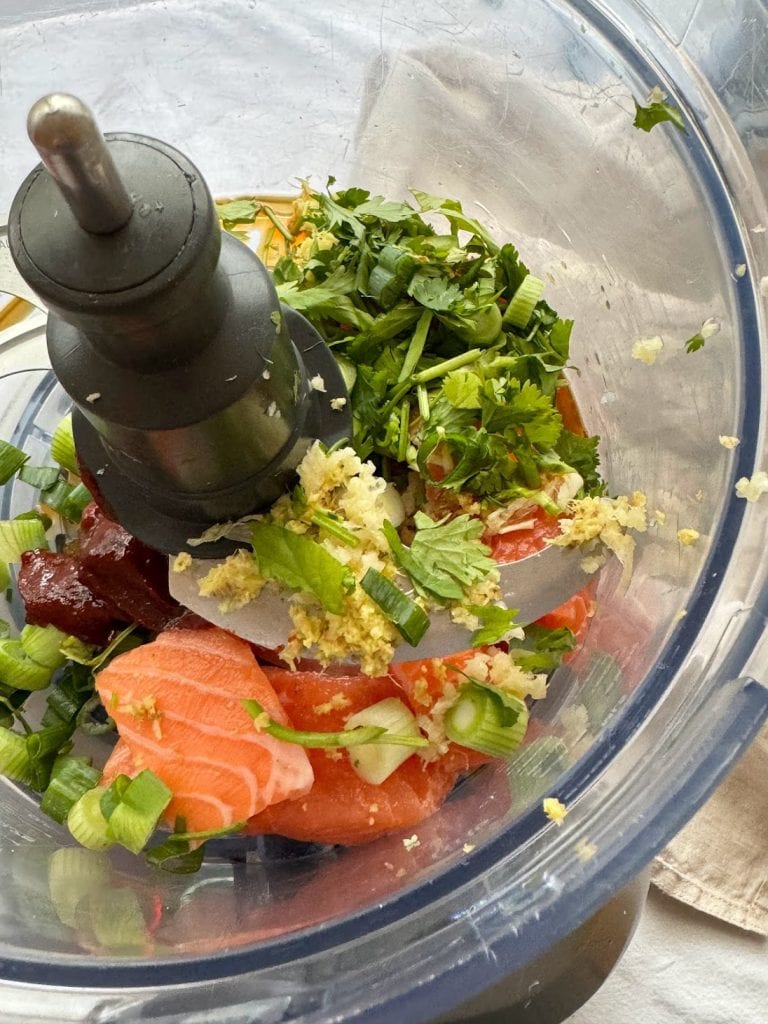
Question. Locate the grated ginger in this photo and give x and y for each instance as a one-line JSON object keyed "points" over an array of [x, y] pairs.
{"points": [[235, 582], [595, 523]]}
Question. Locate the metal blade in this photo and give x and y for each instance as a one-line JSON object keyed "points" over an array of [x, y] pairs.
{"points": [[534, 585]]}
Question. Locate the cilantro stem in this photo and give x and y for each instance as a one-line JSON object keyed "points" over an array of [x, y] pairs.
{"points": [[278, 224], [404, 436], [440, 369], [416, 347], [422, 396]]}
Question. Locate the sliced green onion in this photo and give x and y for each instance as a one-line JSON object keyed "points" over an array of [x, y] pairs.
{"points": [[112, 796], [40, 477], [416, 346], [41, 644], [35, 514], [409, 618], [19, 671], [345, 738], [176, 853], [375, 762], [14, 756], [88, 655], [332, 525], [19, 535], [486, 719], [86, 822], [55, 497], [11, 461], [523, 302], [348, 371], [73, 506], [534, 768], [63, 446], [116, 920], [68, 695], [47, 741], [136, 816], [71, 777], [73, 874]]}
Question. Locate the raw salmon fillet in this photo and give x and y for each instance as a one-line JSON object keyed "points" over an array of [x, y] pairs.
{"points": [[341, 807], [177, 705]]}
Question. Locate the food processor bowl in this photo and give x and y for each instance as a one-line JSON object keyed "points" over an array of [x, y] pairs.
{"points": [[523, 111]]}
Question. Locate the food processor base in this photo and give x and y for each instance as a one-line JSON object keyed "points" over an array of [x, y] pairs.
{"points": [[556, 984]]}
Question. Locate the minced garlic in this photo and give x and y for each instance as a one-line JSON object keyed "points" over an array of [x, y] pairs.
{"points": [[728, 441], [554, 809], [688, 536], [647, 350], [754, 487], [595, 522]]}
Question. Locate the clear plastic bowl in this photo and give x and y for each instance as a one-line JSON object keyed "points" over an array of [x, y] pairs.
{"points": [[523, 110]]}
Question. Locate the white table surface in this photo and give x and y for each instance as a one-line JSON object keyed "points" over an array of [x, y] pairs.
{"points": [[684, 967]]}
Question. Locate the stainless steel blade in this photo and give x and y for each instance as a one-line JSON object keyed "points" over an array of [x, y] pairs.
{"points": [[534, 585]]}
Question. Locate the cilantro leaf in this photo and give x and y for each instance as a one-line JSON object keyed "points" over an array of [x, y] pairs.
{"points": [[436, 293], [462, 389], [695, 343], [580, 454], [301, 564], [543, 649], [481, 462], [323, 301], [339, 216], [648, 117], [237, 211], [511, 407], [444, 558], [495, 623], [384, 209]]}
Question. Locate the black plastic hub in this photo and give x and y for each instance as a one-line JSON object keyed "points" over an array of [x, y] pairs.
{"points": [[190, 381]]}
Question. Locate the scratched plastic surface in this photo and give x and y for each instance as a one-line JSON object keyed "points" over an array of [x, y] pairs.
{"points": [[523, 110]]}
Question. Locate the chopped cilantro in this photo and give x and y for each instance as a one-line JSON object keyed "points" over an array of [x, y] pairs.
{"points": [[655, 113]]}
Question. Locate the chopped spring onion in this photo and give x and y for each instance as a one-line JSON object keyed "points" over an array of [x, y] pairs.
{"points": [[348, 371], [11, 460], [177, 854], [14, 756], [5, 576], [63, 446], [67, 696], [73, 874], [422, 396], [112, 796], [523, 302], [345, 738], [41, 644], [375, 762], [332, 525], [42, 747], [18, 670], [71, 777], [85, 654], [410, 619], [117, 920], [141, 804], [73, 505], [90, 718], [19, 535], [40, 477], [86, 822], [486, 719], [56, 496]]}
